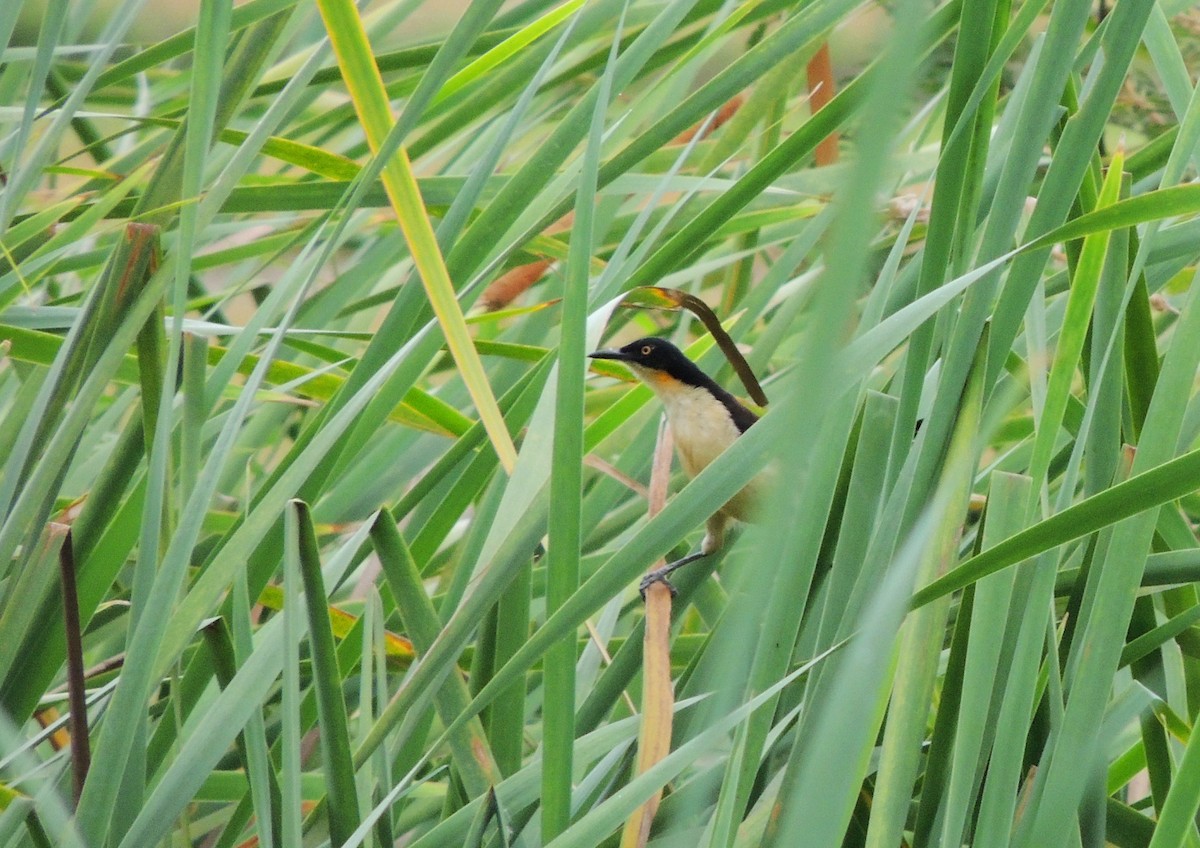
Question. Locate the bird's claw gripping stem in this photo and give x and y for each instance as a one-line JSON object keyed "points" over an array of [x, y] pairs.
{"points": [[660, 575]]}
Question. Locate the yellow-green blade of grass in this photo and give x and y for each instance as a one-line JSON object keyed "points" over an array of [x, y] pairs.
{"points": [[362, 77], [498, 55], [1067, 352]]}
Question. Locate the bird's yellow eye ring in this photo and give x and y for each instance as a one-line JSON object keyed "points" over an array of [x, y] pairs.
{"points": [[646, 350]]}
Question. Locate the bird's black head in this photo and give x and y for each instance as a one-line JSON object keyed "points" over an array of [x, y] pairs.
{"points": [[663, 367], [656, 355]]}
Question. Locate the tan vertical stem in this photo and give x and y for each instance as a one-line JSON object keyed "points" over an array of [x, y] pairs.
{"points": [[658, 693]]}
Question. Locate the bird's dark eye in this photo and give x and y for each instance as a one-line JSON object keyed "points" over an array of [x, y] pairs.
{"points": [[646, 350]]}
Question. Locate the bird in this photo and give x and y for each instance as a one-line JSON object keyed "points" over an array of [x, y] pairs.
{"points": [[705, 420]]}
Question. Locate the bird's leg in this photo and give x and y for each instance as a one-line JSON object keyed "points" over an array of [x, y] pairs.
{"points": [[713, 539], [659, 575]]}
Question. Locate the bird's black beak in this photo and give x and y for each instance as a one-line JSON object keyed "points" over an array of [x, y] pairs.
{"points": [[619, 356]]}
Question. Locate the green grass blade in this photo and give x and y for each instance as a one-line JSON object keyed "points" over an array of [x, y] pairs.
{"points": [[342, 797], [566, 484], [474, 761]]}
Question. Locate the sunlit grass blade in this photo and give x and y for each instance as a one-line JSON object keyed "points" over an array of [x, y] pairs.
{"points": [[1067, 352], [501, 52], [366, 87]]}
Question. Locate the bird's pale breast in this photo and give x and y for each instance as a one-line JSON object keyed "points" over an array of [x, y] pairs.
{"points": [[700, 425], [702, 430]]}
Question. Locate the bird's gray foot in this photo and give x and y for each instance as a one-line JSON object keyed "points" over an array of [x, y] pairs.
{"points": [[660, 575]]}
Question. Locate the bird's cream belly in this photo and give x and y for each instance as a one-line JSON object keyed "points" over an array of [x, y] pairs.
{"points": [[698, 444], [702, 430], [700, 425]]}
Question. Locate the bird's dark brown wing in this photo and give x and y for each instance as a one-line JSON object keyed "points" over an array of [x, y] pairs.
{"points": [[742, 417]]}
